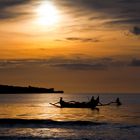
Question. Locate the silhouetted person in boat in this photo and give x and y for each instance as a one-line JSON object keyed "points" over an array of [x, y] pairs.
{"points": [[61, 101], [98, 101], [92, 99], [118, 102], [94, 102]]}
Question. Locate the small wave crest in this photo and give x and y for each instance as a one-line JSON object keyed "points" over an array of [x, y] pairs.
{"points": [[45, 123]]}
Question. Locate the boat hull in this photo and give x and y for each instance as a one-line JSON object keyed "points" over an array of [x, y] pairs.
{"points": [[77, 105]]}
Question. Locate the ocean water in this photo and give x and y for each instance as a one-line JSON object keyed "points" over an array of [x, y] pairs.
{"points": [[31, 117]]}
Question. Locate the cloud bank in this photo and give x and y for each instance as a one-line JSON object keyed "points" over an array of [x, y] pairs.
{"points": [[8, 9], [111, 11], [70, 64]]}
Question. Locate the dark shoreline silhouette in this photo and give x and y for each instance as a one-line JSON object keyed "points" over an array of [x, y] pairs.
{"points": [[27, 90]]}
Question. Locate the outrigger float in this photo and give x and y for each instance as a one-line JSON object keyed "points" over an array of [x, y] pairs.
{"points": [[93, 103]]}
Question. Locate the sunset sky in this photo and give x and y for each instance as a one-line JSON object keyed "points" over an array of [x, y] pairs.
{"points": [[71, 45]]}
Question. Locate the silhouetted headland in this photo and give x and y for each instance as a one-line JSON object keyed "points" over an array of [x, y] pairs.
{"points": [[30, 89]]}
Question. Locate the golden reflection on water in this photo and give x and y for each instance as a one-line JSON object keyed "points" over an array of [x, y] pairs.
{"points": [[38, 107], [45, 111]]}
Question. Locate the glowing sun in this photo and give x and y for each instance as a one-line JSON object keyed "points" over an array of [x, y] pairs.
{"points": [[47, 14]]}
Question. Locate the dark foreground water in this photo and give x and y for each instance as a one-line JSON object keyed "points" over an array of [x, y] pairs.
{"points": [[31, 117]]}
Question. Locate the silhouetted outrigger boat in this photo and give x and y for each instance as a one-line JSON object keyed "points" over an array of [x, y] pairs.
{"points": [[93, 103], [75, 105]]}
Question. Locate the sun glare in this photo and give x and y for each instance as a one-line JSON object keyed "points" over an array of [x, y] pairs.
{"points": [[47, 14]]}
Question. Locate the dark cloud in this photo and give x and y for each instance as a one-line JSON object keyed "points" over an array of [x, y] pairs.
{"points": [[91, 64], [8, 15], [117, 11], [74, 63], [82, 66], [129, 1], [135, 63], [20, 63], [136, 30], [71, 64], [4, 4], [109, 11], [77, 63], [8, 8], [123, 21], [82, 39]]}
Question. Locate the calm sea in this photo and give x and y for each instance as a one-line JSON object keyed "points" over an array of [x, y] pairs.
{"points": [[31, 117]]}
